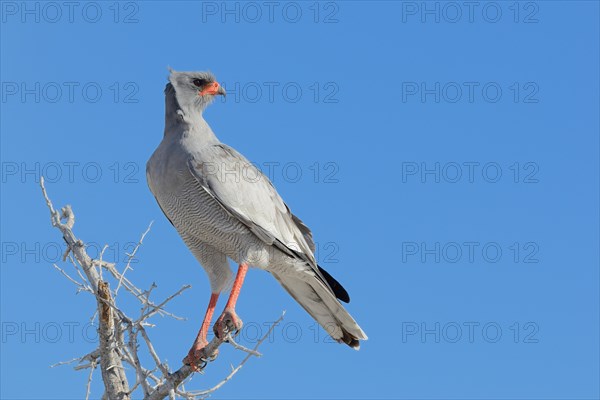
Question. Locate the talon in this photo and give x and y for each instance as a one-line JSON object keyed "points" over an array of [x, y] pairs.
{"points": [[228, 322], [198, 357]]}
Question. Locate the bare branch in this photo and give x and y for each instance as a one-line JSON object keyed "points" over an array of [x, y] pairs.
{"points": [[157, 308], [89, 382], [235, 370], [141, 374], [159, 364], [73, 243], [242, 348], [111, 364], [130, 257], [180, 375], [80, 285], [138, 293], [58, 364], [114, 325]]}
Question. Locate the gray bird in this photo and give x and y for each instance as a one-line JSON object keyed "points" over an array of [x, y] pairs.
{"points": [[223, 207]]}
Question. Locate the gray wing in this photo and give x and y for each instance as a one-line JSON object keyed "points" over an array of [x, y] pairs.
{"points": [[248, 195]]}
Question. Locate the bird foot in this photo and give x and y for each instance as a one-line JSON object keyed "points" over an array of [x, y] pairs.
{"points": [[228, 322], [198, 357]]}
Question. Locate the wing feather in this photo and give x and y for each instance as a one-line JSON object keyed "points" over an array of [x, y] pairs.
{"points": [[253, 200]]}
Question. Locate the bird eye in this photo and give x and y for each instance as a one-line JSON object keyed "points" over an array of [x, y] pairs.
{"points": [[198, 82]]}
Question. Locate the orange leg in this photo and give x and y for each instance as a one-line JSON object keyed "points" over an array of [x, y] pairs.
{"points": [[196, 352], [237, 286], [229, 321]]}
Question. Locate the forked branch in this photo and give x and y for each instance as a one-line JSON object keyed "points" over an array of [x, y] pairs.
{"points": [[119, 334]]}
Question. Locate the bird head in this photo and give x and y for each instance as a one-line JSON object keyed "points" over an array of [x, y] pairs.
{"points": [[194, 90]]}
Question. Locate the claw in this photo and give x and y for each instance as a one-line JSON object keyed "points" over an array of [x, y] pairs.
{"points": [[197, 357], [228, 322]]}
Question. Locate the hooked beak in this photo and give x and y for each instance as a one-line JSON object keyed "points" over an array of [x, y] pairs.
{"points": [[213, 88]]}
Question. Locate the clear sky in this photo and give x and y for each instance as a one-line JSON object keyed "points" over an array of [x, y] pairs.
{"points": [[445, 156]]}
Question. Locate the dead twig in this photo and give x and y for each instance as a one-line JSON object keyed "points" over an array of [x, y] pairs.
{"points": [[114, 325]]}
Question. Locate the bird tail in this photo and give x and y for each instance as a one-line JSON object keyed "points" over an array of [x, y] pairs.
{"points": [[321, 304]]}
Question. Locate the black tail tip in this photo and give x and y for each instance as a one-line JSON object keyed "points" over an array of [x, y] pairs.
{"points": [[337, 287], [355, 344], [350, 341]]}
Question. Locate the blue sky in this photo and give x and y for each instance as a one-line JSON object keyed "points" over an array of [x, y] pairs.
{"points": [[445, 157]]}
